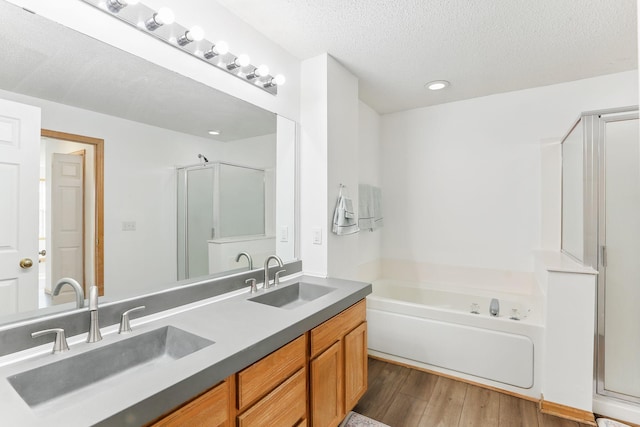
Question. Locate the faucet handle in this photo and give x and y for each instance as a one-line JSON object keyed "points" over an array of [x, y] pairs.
{"points": [[60, 344], [125, 327], [276, 280], [254, 286]]}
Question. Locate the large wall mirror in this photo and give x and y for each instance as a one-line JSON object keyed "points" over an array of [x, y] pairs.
{"points": [[143, 128]]}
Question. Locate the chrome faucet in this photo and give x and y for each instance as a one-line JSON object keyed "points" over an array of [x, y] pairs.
{"points": [[60, 344], [245, 254], [266, 268], [125, 325], [94, 326], [76, 287]]}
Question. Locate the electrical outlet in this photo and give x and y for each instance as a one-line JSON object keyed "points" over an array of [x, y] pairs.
{"points": [[317, 236], [128, 226], [284, 234]]}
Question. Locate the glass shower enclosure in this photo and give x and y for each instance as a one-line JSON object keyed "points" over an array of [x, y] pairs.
{"points": [[216, 201], [601, 229]]}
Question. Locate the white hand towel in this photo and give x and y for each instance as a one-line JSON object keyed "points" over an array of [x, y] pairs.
{"points": [[370, 207], [342, 224]]}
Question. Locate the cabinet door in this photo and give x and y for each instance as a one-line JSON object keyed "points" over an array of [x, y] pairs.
{"points": [[355, 366], [327, 393], [210, 409]]}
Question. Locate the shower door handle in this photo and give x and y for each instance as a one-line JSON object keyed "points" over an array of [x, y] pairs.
{"points": [[603, 252]]}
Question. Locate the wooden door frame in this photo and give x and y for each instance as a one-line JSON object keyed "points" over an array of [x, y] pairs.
{"points": [[83, 153], [98, 145]]}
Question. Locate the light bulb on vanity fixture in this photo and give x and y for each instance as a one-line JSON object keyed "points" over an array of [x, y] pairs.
{"points": [[190, 40], [164, 16], [220, 48], [260, 71], [195, 34], [116, 5], [278, 80], [239, 62]]}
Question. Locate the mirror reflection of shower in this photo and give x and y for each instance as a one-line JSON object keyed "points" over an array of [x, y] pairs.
{"points": [[222, 210]]}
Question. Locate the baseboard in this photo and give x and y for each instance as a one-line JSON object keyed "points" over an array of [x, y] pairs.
{"points": [[567, 412]]}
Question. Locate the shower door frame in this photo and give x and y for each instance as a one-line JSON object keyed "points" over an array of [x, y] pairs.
{"points": [[183, 183], [598, 228]]}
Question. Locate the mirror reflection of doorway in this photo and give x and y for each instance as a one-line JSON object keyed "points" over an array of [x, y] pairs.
{"points": [[71, 214]]}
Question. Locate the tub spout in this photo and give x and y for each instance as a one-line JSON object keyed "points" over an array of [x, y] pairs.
{"points": [[494, 308]]}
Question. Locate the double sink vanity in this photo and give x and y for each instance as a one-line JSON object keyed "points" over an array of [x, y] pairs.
{"points": [[294, 354]]}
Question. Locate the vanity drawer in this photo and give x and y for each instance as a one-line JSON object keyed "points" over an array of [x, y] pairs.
{"points": [[284, 406], [263, 376], [322, 336], [208, 409]]}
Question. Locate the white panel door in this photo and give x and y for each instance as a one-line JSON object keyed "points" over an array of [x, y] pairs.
{"points": [[67, 217], [19, 163]]}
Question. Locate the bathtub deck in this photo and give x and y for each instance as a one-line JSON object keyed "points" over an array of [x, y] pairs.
{"points": [[404, 397]]}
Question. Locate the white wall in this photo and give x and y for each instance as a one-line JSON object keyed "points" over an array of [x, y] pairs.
{"points": [[369, 172], [328, 158], [140, 186], [461, 181], [313, 164], [343, 164]]}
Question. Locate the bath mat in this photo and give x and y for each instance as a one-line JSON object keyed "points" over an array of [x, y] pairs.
{"points": [[604, 422], [354, 419]]}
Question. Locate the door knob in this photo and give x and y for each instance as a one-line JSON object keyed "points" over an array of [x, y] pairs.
{"points": [[26, 263]]}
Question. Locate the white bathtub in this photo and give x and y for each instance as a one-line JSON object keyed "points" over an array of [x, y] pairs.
{"points": [[432, 327]]}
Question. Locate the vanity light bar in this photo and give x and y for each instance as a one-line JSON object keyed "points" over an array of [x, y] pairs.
{"points": [[162, 26]]}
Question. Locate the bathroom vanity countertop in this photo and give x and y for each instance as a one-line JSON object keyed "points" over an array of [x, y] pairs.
{"points": [[243, 331]]}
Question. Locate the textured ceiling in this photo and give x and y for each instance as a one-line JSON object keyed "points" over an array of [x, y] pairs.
{"points": [[481, 46], [46, 60]]}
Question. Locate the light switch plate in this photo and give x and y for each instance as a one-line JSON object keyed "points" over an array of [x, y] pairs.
{"points": [[317, 236], [128, 226]]}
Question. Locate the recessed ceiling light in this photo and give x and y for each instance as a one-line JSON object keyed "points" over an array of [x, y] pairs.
{"points": [[214, 132], [437, 85]]}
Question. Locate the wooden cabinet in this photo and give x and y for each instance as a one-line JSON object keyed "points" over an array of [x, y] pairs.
{"points": [[211, 409], [312, 381], [327, 406], [355, 366], [338, 366]]}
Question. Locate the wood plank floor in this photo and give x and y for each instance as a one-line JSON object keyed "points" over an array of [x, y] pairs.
{"points": [[404, 397]]}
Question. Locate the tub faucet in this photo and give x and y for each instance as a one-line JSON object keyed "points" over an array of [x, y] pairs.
{"points": [[76, 287], [494, 307], [94, 326], [266, 268], [249, 260]]}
